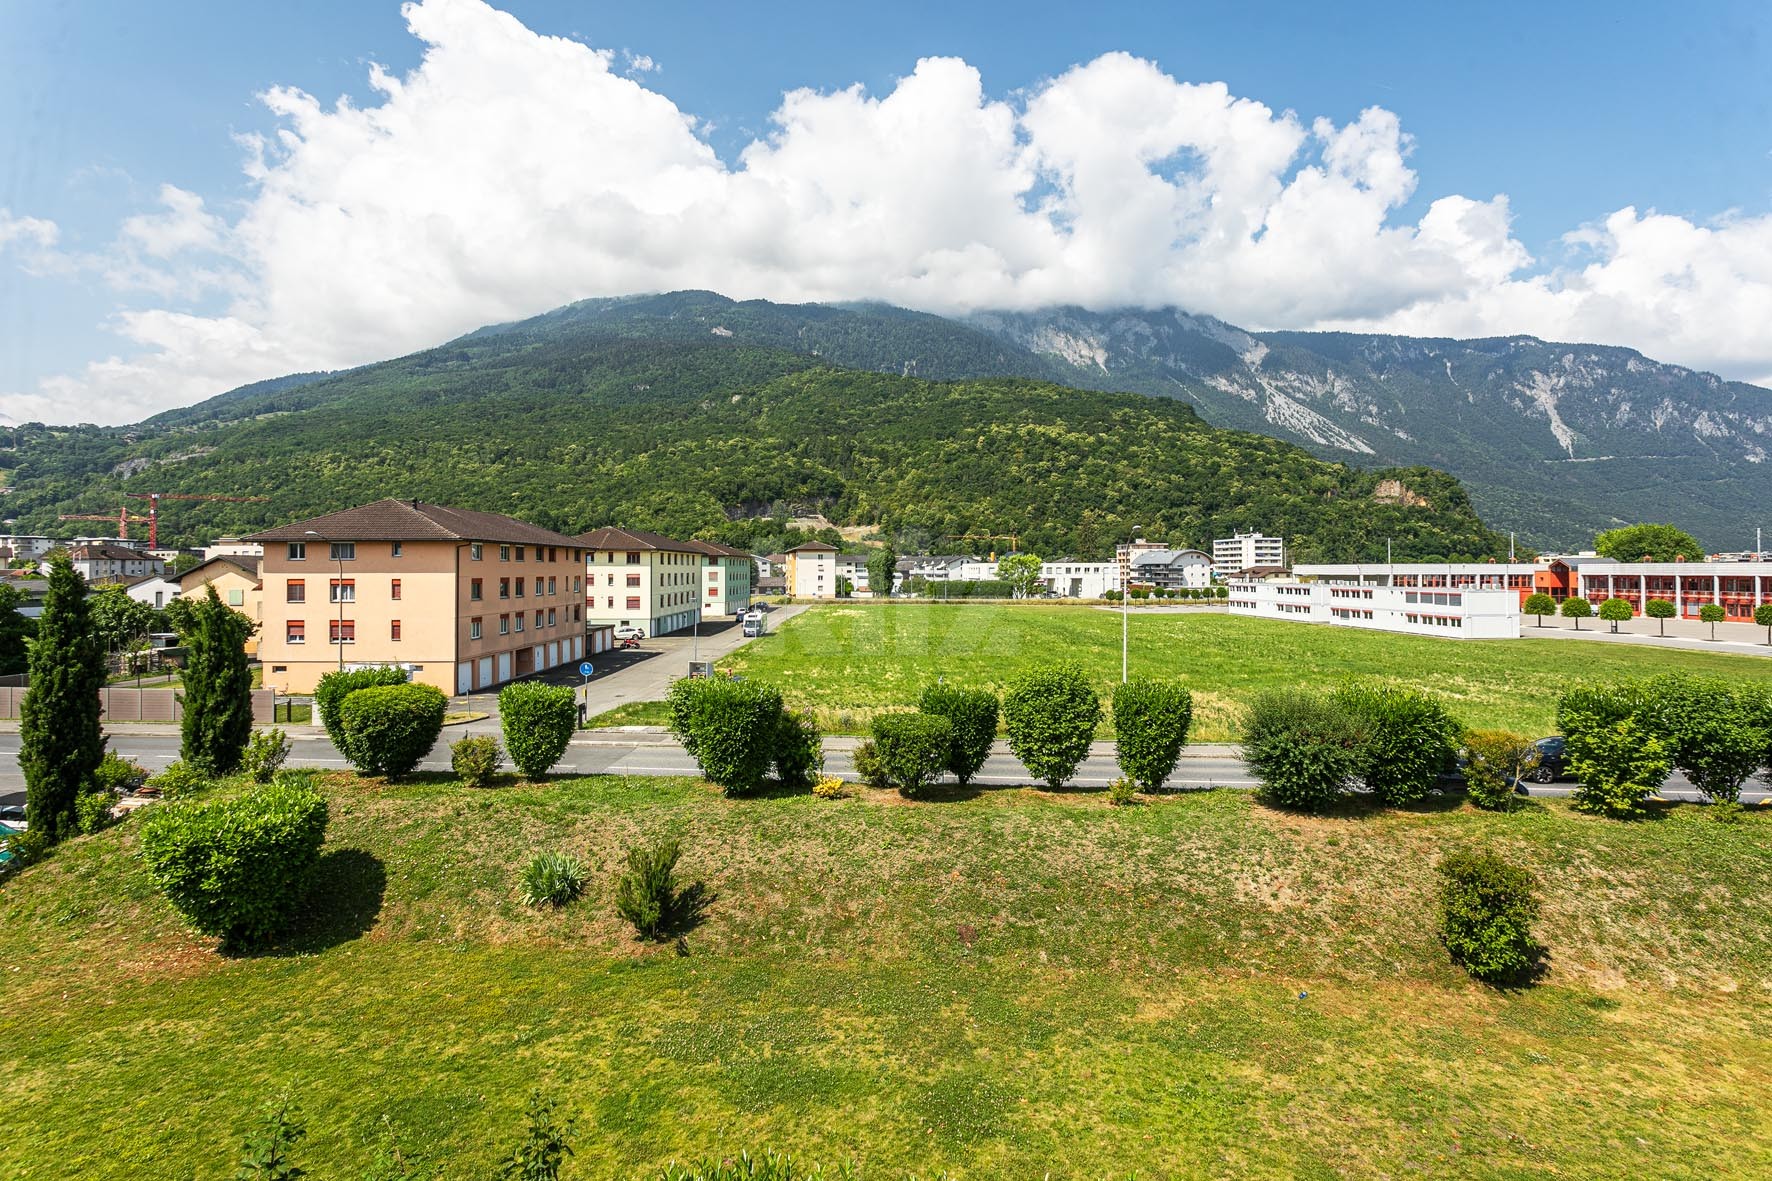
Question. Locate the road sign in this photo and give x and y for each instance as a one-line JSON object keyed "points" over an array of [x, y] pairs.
{"points": [[585, 670]]}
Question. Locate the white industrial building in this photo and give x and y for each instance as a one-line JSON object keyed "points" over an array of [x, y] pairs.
{"points": [[1080, 580], [1453, 614]]}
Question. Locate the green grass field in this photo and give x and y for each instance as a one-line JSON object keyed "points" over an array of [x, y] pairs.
{"points": [[1016, 984], [846, 661]]}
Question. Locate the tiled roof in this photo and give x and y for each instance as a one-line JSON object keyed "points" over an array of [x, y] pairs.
{"points": [[107, 553], [717, 549], [818, 547], [415, 520], [611, 537], [249, 566]]}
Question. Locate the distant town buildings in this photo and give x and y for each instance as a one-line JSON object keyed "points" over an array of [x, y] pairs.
{"points": [[1171, 569], [232, 547], [1126, 551], [812, 571], [1071, 579], [1247, 551], [1455, 614], [641, 579], [110, 563]]}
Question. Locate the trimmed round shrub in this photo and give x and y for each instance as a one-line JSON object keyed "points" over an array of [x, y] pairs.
{"points": [[1487, 907], [799, 749], [1495, 761], [334, 687], [476, 759], [867, 764], [913, 749], [389, 729], [973, 715], [1303, 748], [1618, 766], [1406, 739], [1714, 731], [1151, 720], [265, 753], [237, 868], [539, 721], [552, 879], [1050, 716], [729, 727]]}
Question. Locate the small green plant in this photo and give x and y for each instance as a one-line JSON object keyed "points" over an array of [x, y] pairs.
{"points": [[389, 729], [973, 715], [116, 774], [1487, 907], [552, 879], [539, 721], [178, 780], [799, 749], [1122, 791], [476, 759], [266, 1154], [868, 766], [1050, 716], [1303, 748], [547, 1142], [92, 809], [1151, 720], [1496, 761], [771, 1166], [237, 868], [913, 749], [647, 895], [23, 848], [265, 754]]}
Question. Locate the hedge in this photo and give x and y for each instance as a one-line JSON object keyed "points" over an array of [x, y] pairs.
{"points": [[912, 749], [1050, 715], [973, 715], [729, 727], [388, 729], [1151, 720], [539, 721]]}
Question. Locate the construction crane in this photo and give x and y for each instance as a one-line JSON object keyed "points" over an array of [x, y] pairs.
{"points": [[124, 517], [1014, 540]]}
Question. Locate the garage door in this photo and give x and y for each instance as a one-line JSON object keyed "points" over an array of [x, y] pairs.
{"points": [[485, 671], [464, 678], [504, 667]]}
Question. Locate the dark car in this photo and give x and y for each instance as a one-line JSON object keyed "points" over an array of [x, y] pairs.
{"points": [[12, 812], [1553, 760]]}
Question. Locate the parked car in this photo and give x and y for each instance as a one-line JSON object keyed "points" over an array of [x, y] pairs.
{"points": [[628, 631], [12, 813], [1553, 760]]}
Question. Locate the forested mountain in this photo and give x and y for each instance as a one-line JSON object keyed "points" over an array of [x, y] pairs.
{"points": [[698, 432]]}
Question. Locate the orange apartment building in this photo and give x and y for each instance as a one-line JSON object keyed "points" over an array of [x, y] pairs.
{"points": [[464, 600]]}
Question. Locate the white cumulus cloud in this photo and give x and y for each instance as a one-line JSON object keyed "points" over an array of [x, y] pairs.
{"points": [[510, 172]]}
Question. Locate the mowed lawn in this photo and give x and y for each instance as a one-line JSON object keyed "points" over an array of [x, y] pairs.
{"points": [[846, 661], [1012, 984]]}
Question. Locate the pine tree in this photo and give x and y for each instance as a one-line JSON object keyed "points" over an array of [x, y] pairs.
{"points": [[60, 743], [217, 688]]}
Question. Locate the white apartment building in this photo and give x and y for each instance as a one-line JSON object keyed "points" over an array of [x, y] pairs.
{"points": [[1452, 614], [1247, 551], [27, 545], [725, 578], [1172, 569], [812, 571], [156, 590], [1079, 580], [640, 579], [111, 563], [233, 547]]}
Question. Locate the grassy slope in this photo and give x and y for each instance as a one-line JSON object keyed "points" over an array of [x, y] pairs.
{"points": [[847, 660], [1132, 999]]}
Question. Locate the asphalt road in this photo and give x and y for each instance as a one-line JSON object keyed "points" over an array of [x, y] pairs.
{"points": [[617, 753]]}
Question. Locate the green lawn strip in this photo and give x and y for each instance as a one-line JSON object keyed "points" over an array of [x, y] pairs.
{"points": [[998, 985], [847, 661]]}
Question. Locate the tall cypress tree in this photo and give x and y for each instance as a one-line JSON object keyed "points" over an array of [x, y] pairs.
{"points": [[217, 688], [60, 743]]}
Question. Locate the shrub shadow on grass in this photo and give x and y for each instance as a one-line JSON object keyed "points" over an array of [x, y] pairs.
{"points": [[1530, 977], [343, 902], [1439, 800]]}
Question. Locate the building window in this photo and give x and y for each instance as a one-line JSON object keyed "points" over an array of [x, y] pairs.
{"points": [[476, 551], [474, 628], [550, 617], [633, 602], [296, 592], [633, 558], [519, 622], [396, 549], [394, 589], [610, 602], [551, 586], [504, 588], [521, 554], [344, 590], [577, 614], [394, 630], [538, 619], [520, 584], [295, 632], [553, 554], [236, 598], [504, 625], [298, 551], [633, 580], [538, 588], [344, 631], [344, 551], [475, 593]]}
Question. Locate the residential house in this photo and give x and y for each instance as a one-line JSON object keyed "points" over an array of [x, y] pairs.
{"points": [[111, 563], [725, 577], [641, 579], [812, 571], [155, 590], [464, 600], [238, 584]]}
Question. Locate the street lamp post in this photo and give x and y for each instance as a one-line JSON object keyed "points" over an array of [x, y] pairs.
{"points": [[339, 594], [1125, 600]]}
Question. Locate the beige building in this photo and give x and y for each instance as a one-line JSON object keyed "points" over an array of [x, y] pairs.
{"points": [[812, 571], [725, 578], [237, 584], [640, 579], [464, 600]]}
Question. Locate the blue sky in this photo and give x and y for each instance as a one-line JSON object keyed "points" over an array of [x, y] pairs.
{"points": [[1571, 111]]}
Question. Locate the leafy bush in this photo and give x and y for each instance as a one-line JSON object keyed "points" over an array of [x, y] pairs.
{"points": [[1618, 765], [1713, 730], [390, 728], [1406, 739], [236, 868], [1487, 906], [547, 1142], [729, 727], [334, 687], [476, 759], [1577, 608], [1122, 791], [829, 787], [867, 764], [539, 721], [799, 749], [1539, 604], [1616, 611], [1151, 720], [92, 810], [553, 879], [178, 779], [265, 755], [117, 774], [647, 896], [1303, 748], [26, 847], [912, 749], [1495, 761], [1050, 716], [973, 715]]}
